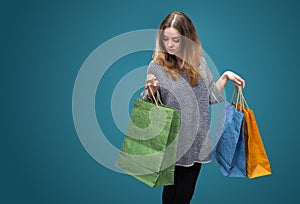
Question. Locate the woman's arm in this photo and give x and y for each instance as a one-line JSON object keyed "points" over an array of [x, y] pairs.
{"points": [[228, 75]]}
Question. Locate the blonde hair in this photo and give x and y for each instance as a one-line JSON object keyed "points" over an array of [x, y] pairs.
{"points": [[191, 50]]}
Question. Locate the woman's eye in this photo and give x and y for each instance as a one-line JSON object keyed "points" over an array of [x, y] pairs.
{"points": [[165, 38], [176, 40]]}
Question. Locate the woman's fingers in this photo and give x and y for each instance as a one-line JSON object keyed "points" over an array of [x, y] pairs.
{"points": [[150, 77], [239, 84], [151, 81], [238, 81]]}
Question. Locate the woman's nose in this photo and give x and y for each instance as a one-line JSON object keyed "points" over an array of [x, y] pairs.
{"points": [[170, 44]]}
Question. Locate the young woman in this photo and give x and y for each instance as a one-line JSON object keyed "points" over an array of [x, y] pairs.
{"points": [[180, 74]]}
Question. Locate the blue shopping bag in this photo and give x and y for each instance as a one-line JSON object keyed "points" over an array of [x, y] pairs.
{"points": [[229, 152]]}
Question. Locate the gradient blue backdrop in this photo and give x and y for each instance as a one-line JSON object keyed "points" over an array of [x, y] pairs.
{"points": [[43, 45]]}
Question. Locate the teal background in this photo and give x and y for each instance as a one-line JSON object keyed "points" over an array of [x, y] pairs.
{"points": [[43, 45]]}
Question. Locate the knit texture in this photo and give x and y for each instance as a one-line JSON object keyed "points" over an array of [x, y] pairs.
{"points": [[194, 142]]}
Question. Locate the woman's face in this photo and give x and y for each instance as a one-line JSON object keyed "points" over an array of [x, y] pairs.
{"points": [[172, 40]]}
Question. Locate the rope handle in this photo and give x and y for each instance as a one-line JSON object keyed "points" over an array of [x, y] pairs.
{"points": [[238, 96], [158, 96], [244, 100]]}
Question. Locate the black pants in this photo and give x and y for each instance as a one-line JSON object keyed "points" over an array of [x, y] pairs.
{"points": [[184, 185]]}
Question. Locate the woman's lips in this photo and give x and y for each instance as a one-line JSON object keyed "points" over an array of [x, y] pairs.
{"points": [[171, 50]]}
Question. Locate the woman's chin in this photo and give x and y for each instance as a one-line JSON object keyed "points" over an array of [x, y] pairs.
{"points": [[171, 53]]}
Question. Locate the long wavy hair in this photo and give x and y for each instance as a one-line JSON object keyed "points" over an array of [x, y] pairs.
{"points": [[190, 49]]}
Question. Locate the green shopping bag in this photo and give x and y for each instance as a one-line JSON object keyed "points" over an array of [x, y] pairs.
{"points": [[148, 152]]}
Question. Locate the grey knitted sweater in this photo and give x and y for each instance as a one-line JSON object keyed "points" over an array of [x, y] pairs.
{"points": [[194, 142]]}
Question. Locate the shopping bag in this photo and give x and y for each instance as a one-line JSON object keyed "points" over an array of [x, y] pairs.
{"points": [[229, 152], [148, 152], [257, 162]]}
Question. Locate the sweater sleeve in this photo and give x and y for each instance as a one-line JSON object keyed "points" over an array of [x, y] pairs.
{"points": [[215, 96]]}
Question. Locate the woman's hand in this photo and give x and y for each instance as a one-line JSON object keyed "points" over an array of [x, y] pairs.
{"points": [[237, 80], [152, 83], [228, 75]]}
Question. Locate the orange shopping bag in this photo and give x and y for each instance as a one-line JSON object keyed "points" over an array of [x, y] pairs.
{"points": [[257, 162]]}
